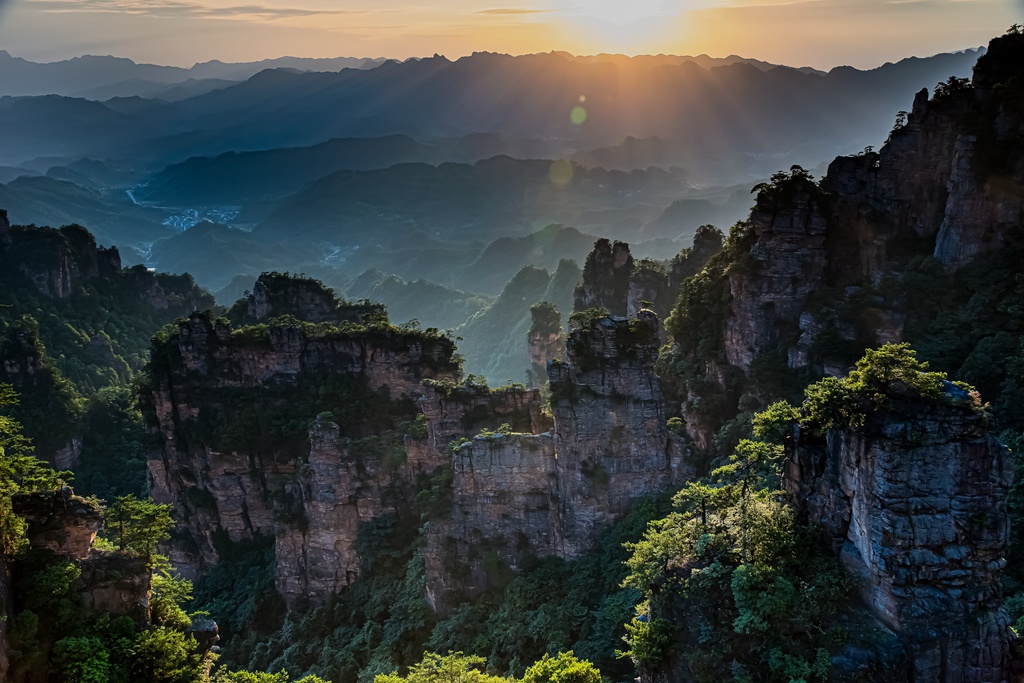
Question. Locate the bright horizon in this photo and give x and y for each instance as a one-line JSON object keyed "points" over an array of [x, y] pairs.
{"points": [[817, 33]]}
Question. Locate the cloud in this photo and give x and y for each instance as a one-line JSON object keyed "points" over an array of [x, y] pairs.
{"points": [[512, 11], [178, 8]]}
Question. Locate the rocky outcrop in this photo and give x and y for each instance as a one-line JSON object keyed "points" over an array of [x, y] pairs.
{"points": [[463, 410], [238, 459], [57, 262], [707, 241], [505, 512], [819, 271], [610, 435], [542, 347], [502, 482], [614, 281], [116, 584], [986, 187], [915, 505], [205, 631], [59, 521], [340, 487], [649, 288], [517, 496], [786, 263], [276, 294], [544, 341], [605, 282]]}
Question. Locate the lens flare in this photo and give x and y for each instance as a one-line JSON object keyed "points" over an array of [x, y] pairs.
{"points": [[560, 173]]}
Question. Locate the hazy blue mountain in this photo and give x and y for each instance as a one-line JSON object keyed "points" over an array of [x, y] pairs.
{"points": [[431, 304], [214, 254], [495, 339], [169, 92], [81, 76], [240, 178], [722, 124]]}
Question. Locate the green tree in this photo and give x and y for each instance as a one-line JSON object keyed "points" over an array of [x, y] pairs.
{"points": [[562, 668], [81, 660], [137, 526], [19, 470], [169, 592], [455, 667]]}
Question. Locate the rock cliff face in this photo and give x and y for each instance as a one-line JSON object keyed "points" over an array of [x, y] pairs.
{"points": [[915, 504], [518, 496], [544, 341], [117, 585], [786, 263], [605, 282], [56, 261], [232, 409], [464, 410], [542, 347], [505, 511], [339, 490], [60, 522], [610, 434], [816, 274]]}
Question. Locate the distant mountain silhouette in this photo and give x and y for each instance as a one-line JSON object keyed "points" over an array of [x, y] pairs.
{"points": [[88, 75], [729, 123], [241, 178]]}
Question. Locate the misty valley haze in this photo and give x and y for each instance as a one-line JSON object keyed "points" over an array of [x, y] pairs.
{"points": [[334, 172]]}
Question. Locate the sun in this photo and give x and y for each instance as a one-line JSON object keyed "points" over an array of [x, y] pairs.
{"points": [[622, 25]]}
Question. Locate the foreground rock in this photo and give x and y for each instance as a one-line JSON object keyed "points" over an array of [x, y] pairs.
{"points": [[915, 504]]}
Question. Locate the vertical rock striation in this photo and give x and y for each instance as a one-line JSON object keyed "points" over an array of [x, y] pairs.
{"points": [[786, 263], [504, 512], [517, 496], [610, 435], [605, 282], [238, 458], [915, 504]]}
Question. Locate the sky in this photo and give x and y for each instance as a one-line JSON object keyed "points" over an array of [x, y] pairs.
{"points": [[818, 33]]}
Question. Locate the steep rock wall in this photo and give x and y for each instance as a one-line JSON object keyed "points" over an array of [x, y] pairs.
{"points": [[519, 496], [818, 272], [786, 263], [237, 458], [504, 511], [56, 261], [915, 504], [605, 282], [337, 491], [610, 435]]}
